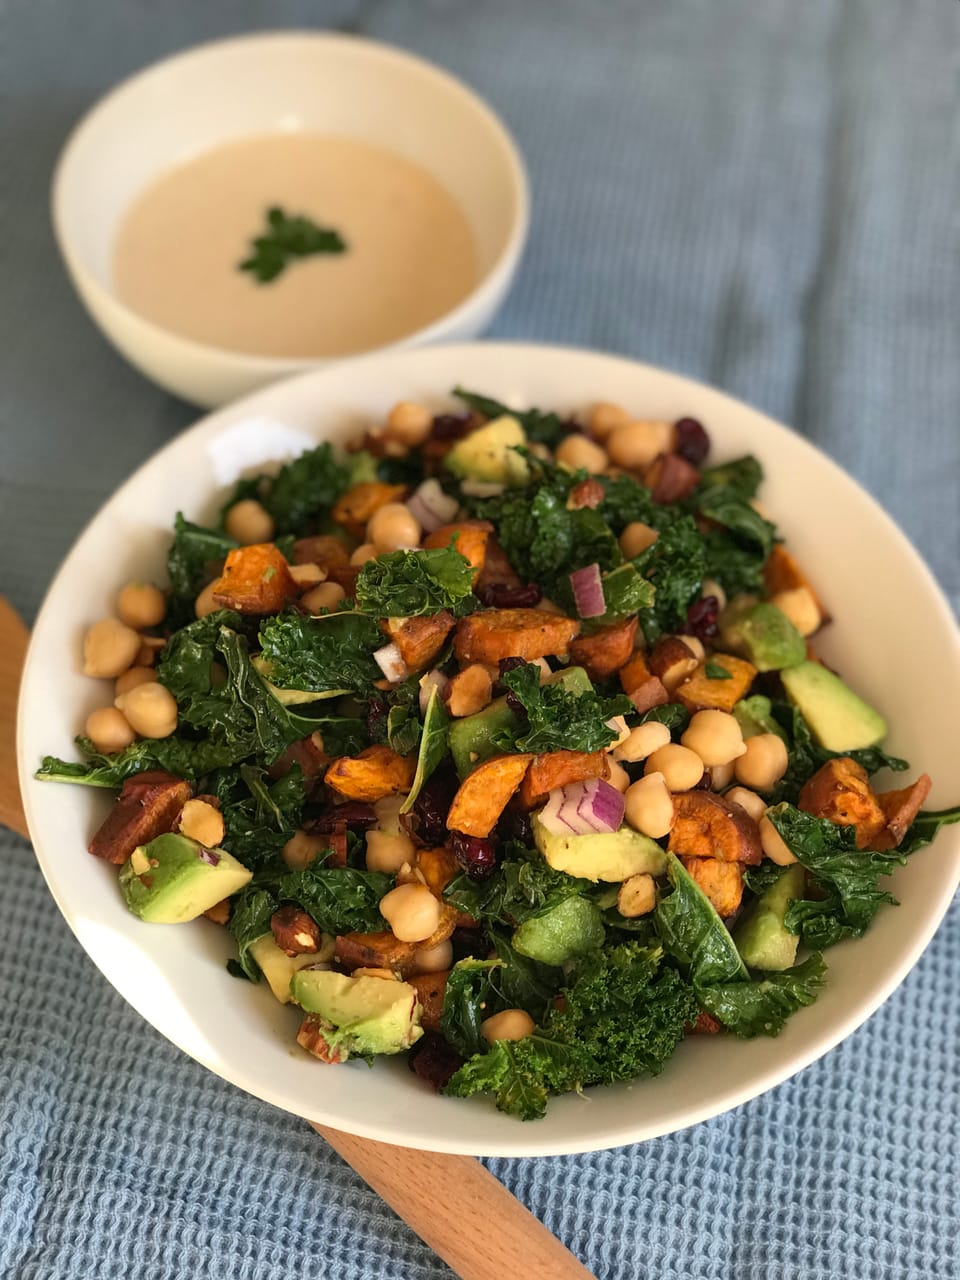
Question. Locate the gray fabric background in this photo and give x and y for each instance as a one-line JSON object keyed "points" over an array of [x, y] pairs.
{"points": [[760, 193]]}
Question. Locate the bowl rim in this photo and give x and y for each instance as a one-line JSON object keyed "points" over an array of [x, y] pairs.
{"points": [[500, 270], [527, 1143]]}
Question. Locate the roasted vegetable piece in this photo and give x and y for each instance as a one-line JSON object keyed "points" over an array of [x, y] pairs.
{"points": [[469, 537], [700, 691], [419, 639], [782, 573], [497, 570], [513, 633], [376, 772], [899, 809], [354, 508], [606, 651], [255, 580], [326, 550], [707, 826], [148, 806], [721, 881], [557, 769], [438, 867], [308, 753], [219, 913], [705, 1025], [430, 989], [484, 795], [840, 791], [375, 951]]}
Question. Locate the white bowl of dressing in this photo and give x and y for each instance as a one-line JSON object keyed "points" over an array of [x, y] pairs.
{"points": [[163, 186]]}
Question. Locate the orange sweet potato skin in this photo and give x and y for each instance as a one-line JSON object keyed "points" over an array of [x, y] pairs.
{"points": [[840, 791], [375, 951], [606, 651], [430, 989], [419, 639], [700, 693], [374, 773], [558, 769], [148, 806], [497, 569], [782, 573], [899, 810], [513, 633], [438, 867], [722, 882], [255, 580], [354, 508], [484, 794], [707, 826], [469, 537]]}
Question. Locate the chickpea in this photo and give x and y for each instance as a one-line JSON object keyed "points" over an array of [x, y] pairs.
{"points": [[636, 537], [511, 1024], [393, 527], [249, 522], [434, 959], [109, 730], [619, 777], [763, 763], [681, 767], [642, 741], [606, 417], [715, 736], [150, 708], [109, 648], [637, 444], [388, 850], [409, 423], [130, 679], [649, 806], [695, 646], [773, 844], [637, 896], [411, 911], [302, 849], [366, 551], [721, 775], [800, 607], [327, 595], [755, 805], [205, 603], [141, 604], [307, 575], [576, 451], [710, 587], [202, 822]]}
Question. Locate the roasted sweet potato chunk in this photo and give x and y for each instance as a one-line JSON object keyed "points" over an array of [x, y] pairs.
{"points": [[419, 639], [255, 579], [484, 794], [513, 633], [899, 809], [707, 826], [497, 570], [219, 913], [671, 660], [840, 791], [354, 508], [430, 989], [557, 769], [722, 882], [438, 867], [606, 651], [375, 951], [642, 687], [469, 537], [700, 692], [376, 772], [634, 673], [782, 573], [326, 550], [148, 806], [307, 752]]}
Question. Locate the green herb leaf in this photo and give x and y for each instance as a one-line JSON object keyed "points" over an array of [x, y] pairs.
{"points": [[693, 933], [557, 719], [714, 671], [331, 651], [412, 584], [195, 557], [339, 899], [250, 914], [925, 827], [539, 427], [751, 1009], [434, 741], [286, 238]]}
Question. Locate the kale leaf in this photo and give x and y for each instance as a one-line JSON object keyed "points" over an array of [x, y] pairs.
{"points": [[539, 427], [751, 1009], [741, 477], [523, 885], [317, 654], [411, 584], [434, 744], [925, 827], [625, 592], [339, 899], [305, 489], [557, 719], [469, 996], [626, 502], [195, 557], [676, 565], [693, 933], [250, 913], [260, 816]]}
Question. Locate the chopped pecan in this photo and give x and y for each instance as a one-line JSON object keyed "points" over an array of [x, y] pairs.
{"points": [[312, 1036], [294, 932], [588, 493]]}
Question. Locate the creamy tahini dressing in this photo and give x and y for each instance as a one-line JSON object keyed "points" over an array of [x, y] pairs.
{"points": [[410, 254]]}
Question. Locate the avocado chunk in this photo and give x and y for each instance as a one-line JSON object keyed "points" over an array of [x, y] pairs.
{"points": [[754, 716], [763, 940], [278, 968], [172, 879], [763, 634], [473, 738], [838, 718], [612, 856], [361, 1016], [569, 929], [489, 454]]}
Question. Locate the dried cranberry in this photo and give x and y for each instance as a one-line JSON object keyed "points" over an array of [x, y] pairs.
{"points": [[500, 596], [433, 1060], [474, 854], [469, 943], [693, 443], [356, 815], [451, 426], [702, 618], [431, 806], [511, 664], [377, 713], [515, 823]]}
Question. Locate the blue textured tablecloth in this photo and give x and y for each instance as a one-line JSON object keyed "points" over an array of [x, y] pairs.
{"points": [[762, 193]]}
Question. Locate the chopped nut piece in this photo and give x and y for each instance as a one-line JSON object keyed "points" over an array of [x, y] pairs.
{"points": [[637, 896], [294, 932], [202, 822]]}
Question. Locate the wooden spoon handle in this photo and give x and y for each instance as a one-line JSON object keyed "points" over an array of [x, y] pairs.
{"points": [[462, 1212]]}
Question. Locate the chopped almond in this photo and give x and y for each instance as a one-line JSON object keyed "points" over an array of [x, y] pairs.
{"points": [[469, 691]]}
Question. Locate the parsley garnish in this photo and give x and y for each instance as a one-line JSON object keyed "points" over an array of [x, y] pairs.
{"points": [[714, 671], [288, 237]]}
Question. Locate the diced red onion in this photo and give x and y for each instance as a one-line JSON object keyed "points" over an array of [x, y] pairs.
{"points": [[583, 808], [588, 592], [431, 506], [208, 856], [434, 679], [482, 488], [389, 661]]}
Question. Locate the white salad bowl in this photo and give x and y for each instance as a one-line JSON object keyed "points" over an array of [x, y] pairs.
{"points": [[886, 606], [304, 82]]}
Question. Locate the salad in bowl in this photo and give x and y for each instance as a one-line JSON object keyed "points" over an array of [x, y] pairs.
{"points": [[500, 740]]}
